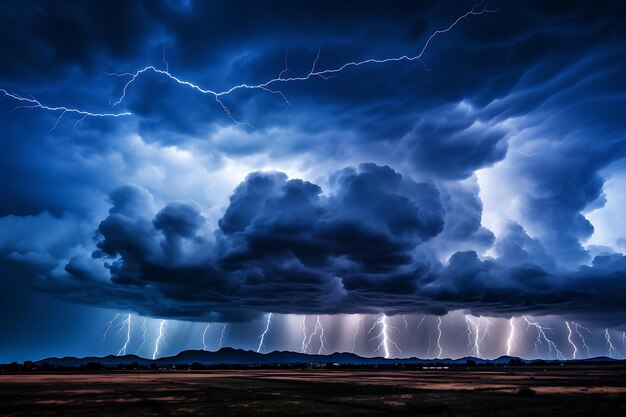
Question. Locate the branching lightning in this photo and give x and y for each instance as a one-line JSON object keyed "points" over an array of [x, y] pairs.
{"points": [[474, 337], [159, 339], [359, 324], [541, 334], [384, 340], [265, 330], [612, 351], [144, 330], [511, 339], [406, 325], [304, 347], [221, 340], [583, 339], [125, 324], [204, 345], [569, 339], [318, 324], [318, 330], [32, 103], [108, 326], [477, 9]]}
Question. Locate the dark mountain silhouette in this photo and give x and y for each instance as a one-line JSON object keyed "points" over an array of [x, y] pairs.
{"points": [[230, 356]]}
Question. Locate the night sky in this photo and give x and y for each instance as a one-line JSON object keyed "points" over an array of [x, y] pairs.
{"points": [[433, 178]]}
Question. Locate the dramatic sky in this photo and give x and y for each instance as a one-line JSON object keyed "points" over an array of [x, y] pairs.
{"points": [[444, 171]]}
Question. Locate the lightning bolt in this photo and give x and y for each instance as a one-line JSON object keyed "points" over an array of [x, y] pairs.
{"points": [[473, 335], [108, 326], [511, 339], [359, 324], [159, 339], [204, 345], [421, 321], [304, 347], [541, 334], [439, 337], [383, 336], [125, 323], [477, 9], [322, 338], [569, 339], [32, 103], [583, 339], [267, 329], [144, 329], [221, 341], [612, 351], [406, 324]]}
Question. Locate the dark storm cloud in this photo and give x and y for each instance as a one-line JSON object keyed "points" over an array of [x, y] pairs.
{"points": [[282, 246], [551, 68]]}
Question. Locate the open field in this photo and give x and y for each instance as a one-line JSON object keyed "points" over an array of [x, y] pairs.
{"points": [[571, 390]]}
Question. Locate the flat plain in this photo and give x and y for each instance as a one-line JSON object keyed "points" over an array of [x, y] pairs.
{"points": [[567, 390]]}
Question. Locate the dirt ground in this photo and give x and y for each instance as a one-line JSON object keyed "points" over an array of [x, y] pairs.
{"points": [[552, 390]]}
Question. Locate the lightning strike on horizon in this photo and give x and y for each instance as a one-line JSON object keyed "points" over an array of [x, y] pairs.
{"points": [[159, 339], [221, 340], [583, 339], [510, 340], [612, 351], [322, 338], [204, 345], [303, 347], [477, 9], [541, 334], [126, 323], [473, 335], [144, 330], [267, 328], [108, 326], [359, 324], [569, 339], [383, 336], [439, 338]]}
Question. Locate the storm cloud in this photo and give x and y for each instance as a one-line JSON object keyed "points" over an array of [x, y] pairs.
{"points": [[466, 180]]}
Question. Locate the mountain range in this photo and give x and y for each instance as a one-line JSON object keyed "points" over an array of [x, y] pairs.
{"points": [[231, 356]]}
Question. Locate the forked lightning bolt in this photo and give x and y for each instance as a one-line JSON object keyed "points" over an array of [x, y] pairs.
{"points": [[303, 347], [569, 339], [268, 321], [612, 351], [384, 340], [359, 324], [541, 334], [478, 9], [144, 330], [159, 339], [318, 330], [221, 341], [204, 345], [473, 335], [583, 339], [125, 324], [108, 326]]}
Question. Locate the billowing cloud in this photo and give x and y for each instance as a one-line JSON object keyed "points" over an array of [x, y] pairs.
{"points": [[488, 156]]}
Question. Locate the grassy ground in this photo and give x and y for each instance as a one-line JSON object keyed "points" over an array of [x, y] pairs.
{"points": [[530, 391]]}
